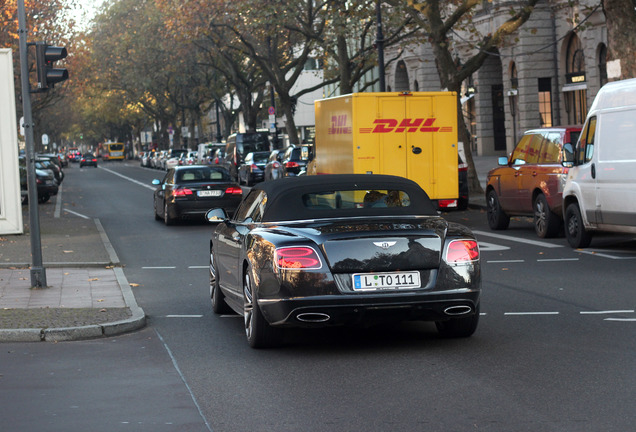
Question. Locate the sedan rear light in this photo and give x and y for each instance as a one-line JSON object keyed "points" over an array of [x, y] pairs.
{"points": [[234, 190], [253, 168], [460, 251], [181, 192], [297, 258], [291, 164]]}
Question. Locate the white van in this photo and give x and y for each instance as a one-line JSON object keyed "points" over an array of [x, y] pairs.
{"points": [[600, 190]]}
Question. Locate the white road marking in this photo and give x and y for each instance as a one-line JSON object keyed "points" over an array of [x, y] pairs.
{"points": [[620, 319], [557, 259], [129, 179], [531, 313], [604, 255], [76, 213], [504, 261], [606, 312], [490, 247], [517, 239]]}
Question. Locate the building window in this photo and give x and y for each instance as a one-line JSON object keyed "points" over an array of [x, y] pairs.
{"points": [[576, 91], [545, 101]]}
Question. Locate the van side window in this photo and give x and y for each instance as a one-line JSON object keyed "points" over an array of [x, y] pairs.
{"points": [[586, 142]]}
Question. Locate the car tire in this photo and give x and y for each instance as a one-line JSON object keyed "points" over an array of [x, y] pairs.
{"points": [[43, 198], [157, 217], [166, 216], [497, 218], [459, 327], [575, 231], [258, 331], [546, 223], [219, 306]]}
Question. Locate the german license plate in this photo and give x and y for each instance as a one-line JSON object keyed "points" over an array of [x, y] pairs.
{"points": [[209, 193], [386, 281]]}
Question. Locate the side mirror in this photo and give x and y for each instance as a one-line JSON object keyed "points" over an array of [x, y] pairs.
{"points": [[502, 161], [156, 182], [568, 155], [216, 215]]}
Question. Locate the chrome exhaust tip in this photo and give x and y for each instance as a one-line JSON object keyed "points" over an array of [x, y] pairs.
{"points": [[458, 310], [313, 317]]}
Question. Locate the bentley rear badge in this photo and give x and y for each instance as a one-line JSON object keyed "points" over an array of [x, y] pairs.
{"points": [[384, 244]]}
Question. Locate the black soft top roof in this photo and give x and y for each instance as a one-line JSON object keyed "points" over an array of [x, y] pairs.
{"points": [[285, 196]]}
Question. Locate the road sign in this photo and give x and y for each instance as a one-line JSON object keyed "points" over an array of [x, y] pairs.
{"points": [[271, 111]]}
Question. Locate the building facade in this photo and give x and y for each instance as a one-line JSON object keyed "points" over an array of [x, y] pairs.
{"points": [[546, 75]]}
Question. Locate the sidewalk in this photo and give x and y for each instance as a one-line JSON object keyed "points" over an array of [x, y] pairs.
{"points": [[87, 294]]}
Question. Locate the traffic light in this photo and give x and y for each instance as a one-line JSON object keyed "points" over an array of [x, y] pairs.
{"points": [[48, 76]]}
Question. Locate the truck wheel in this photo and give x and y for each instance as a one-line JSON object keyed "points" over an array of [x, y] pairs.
{"points": [[497, 218], [575, 231], [546, 223]]}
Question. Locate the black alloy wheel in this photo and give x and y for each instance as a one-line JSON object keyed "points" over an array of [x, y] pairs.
{"points": [[575, 231], [258, 331], [497, 218], [546, 223], [166, 216], [219, 306]]}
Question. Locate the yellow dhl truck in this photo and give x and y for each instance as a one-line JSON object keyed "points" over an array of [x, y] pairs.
{"points": [[412, 135]]}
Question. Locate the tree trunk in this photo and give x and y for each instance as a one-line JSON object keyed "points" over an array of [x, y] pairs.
{"points": [[620, 18]]}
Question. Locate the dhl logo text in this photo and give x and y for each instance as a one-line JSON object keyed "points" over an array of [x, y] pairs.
{"points": [[339, 125], [406, 125]]}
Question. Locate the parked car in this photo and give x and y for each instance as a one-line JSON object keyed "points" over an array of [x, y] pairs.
{"points": [[530, 182], [48, 164], [600, 191], [344, 249], [63, 159], [252, 169], [88, 159], [295, 159], [190, 191], [239, 145], [45, 182], [273, 168]]}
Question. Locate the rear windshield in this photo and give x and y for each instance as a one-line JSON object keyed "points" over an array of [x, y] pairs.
{"points": [[202, 174], [376, 198], [256, 142], [261, 157]]}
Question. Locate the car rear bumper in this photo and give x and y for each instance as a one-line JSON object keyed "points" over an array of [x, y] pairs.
{"points": [[194, 209], [321, 311]]}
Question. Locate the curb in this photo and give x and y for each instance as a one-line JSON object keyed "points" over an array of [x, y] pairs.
{"points": [[135, 322]]}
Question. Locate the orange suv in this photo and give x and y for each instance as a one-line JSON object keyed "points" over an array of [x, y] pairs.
{"points": [[530, 182]]}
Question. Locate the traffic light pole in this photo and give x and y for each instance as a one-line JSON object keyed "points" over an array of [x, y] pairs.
{"points": [[38, 272]]}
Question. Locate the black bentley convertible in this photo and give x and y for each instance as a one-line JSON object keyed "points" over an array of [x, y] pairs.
{"points": [[333, 250]]}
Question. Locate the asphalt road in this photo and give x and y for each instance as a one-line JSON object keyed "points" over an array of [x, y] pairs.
{"points": [[555, 349]]}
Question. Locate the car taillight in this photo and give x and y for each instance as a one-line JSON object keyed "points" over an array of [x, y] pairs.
{"points": [[234, 190], [276, 165], [253, 168], [297, 258], [459, 251], [447, 203], [291, 164], [181, 192], [94, 160]]}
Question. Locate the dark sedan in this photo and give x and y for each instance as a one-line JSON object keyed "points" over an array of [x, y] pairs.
{"points": [[88, 159], [345, 249], [189, 191], [253, 168]]}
